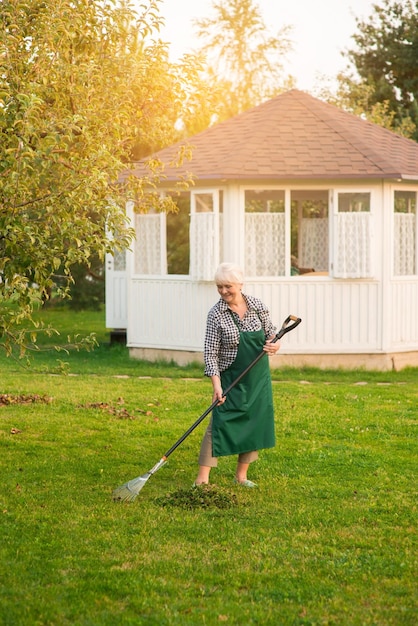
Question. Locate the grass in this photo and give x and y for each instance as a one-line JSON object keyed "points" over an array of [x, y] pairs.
{"points": [[328, 538]]}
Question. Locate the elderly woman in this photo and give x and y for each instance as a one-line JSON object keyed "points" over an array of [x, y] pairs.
{"points": [[238, 328]]}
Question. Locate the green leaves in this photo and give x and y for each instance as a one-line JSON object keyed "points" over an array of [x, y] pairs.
{"points": [[73, 76], [386, 61]]}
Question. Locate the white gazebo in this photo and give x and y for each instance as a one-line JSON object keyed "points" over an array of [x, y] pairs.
{"points": [[320, 209]]}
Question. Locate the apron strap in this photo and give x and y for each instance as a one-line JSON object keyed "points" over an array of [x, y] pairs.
{"points": [[236, 324]]}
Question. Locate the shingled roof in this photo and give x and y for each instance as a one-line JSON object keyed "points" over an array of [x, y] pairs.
{"points": [[295, 136]]}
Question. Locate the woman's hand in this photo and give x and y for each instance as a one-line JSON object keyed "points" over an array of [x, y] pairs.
{"points": [[271, 348], [217, 390], [216, 396]]}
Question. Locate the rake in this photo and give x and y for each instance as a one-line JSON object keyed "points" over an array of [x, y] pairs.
{"points": [[129, 491]]}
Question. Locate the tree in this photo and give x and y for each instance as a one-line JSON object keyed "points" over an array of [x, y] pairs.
{"points": [[386, 62], [88, 289], [203, 100], [245, 62], [165, 95], [76, 96]]}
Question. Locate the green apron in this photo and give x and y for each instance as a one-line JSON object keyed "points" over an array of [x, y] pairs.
{"points": [[245, 421]]}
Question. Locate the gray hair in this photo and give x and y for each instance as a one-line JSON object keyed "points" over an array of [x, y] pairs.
{"points": [[229, 273]]}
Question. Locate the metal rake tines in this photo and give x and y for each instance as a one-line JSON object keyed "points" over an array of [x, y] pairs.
{"points": [[129, 491]]}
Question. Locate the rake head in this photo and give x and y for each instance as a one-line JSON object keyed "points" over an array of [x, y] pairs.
{"points": [[129, 491]]}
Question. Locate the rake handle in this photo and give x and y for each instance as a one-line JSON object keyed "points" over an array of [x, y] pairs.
{"points": [[286, 327]]}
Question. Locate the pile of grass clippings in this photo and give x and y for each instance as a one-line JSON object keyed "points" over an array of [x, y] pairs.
{"points": [[200, 497]]}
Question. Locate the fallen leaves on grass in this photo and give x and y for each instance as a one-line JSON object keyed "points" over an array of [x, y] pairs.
{"points": [[6, 399], [119, 412], [200, 497]]}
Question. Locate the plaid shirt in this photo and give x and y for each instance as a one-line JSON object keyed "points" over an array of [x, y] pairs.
{"points": [[222, 334]]}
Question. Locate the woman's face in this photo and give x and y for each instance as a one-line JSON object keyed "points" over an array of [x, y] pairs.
{"points": [[229, 292]]}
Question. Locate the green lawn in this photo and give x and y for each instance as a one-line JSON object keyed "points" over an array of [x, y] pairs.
{"points": [[328, 538]]}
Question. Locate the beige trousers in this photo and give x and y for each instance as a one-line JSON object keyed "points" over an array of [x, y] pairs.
{"points": [[206, 458]]}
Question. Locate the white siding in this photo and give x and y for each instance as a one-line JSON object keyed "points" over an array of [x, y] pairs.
{"points": [[338, 316], [168, 313], [404, 314]]}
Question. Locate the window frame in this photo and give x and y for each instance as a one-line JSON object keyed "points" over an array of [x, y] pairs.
{"points": [[409, 189]]}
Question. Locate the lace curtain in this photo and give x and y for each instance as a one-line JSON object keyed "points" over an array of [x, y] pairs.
{"points": [[119, 261], [404, 244], [205, 241], [353, 245], [148, 244], [264, 244], [313, 239]]}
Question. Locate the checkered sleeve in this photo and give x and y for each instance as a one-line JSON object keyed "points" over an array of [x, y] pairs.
{"points": [[212, 345]]}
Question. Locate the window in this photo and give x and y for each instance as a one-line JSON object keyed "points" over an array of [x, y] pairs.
{"points": [[353, 236], [405, 233], [309, 232], [178, 238], [205, 233], [119, 264], [274, 229], [354, 202], [186, 242], [264, 232], [149, 236]]}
